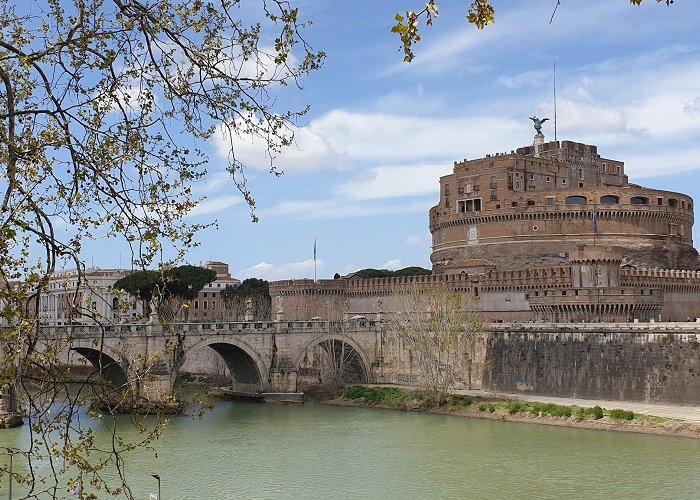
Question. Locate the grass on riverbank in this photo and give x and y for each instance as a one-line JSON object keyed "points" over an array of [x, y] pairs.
{"points": [[595, 416]]}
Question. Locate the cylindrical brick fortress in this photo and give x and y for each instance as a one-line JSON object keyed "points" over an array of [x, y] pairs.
{"points": [[515, 211]]}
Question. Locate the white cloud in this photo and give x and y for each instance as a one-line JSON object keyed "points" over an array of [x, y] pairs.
{"points": [[309, 151], [392, 265], [527, 79], [339, 209], [693, 107], [418, 239], [289, 270], [395, 181], [661, 163], [214, 205]]}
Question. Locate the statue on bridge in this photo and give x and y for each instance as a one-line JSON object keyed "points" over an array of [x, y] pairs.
{"points": [[280, 304]]}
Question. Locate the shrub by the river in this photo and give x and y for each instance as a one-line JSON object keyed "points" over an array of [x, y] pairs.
{"points": [[461, 400], [514, 407], [596, 411], [550, 409], [621, 414], [490, 407], [377, 395]]}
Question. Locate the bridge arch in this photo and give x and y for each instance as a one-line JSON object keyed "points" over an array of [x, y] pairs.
{"points": [[345, 356], [106, 365], [248, 371]]}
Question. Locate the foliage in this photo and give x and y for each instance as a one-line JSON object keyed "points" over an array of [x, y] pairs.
{"points": [[377, 395], [621, 414], [253, 294], [460, 400], [596, 411], [187, 281], [141, 284], [439, 328], [105, 107], [480, 13], [385, 273]]}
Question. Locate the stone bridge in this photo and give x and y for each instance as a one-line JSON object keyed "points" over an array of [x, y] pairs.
{"points": [[651, 362], [278, 356]]}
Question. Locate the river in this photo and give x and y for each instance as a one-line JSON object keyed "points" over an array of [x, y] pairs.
{"points": [[314, 451]]}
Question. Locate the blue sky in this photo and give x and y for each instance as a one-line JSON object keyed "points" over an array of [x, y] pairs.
{"points": [[365, 169]]}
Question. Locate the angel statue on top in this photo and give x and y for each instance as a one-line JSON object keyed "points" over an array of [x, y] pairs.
{"points": [[538, 123]]}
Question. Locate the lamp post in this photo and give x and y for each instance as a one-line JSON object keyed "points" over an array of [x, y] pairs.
{"points": [[10, 452], [157, 478]]}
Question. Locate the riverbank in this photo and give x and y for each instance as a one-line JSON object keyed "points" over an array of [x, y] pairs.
{"points": [[506, 410]]}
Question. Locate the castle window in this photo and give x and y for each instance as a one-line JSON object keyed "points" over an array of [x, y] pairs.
{"points": [[517, 185], [580, 184], [672, 202], [196, 305], [530, 203], [494, 195], [517, 175], [514, 204], [639, 200], [682, 203], [563, 181], [548, 179], [576, 200], [580, 174], [609, 200], [532, 177], [471, 205], [550, 201], [205, 304]]}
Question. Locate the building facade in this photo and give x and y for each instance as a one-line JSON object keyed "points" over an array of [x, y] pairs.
{"points": [[549, 232], [70, 298]]}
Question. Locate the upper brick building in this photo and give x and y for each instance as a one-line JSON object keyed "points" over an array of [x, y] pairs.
{"points": [[552, 231], [532, 206]]}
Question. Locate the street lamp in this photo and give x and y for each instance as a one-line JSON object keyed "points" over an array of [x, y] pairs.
{"points": [[10, 452], [157, 478]]}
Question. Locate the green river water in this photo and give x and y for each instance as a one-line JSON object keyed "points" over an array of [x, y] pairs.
{"points": [[313, 451]]}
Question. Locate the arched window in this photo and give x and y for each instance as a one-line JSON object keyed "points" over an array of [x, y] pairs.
{"points": [[609, 200], [639, 200], [672, 202], [576, 200]]}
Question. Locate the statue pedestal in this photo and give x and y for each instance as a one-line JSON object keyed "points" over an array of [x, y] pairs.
{"points": [[538, 143]]}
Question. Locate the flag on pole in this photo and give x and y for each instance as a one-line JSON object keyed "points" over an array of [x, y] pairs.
{"points": [[595, 221], [314, 249]]}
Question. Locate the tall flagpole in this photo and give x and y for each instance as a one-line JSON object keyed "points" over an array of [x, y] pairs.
{"points": [[555, 99], [315, 280]]}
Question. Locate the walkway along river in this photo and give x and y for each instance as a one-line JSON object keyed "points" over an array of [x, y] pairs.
{"points": [[314, 451]]}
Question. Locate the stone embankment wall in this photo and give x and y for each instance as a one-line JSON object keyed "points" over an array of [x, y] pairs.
{"points": [[637, 362]]}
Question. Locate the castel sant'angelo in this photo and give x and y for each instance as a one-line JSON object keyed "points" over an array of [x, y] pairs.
{"points": [[551, 231]]}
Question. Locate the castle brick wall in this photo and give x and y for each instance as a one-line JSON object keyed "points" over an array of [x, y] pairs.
{"points": [[613, 362]]}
